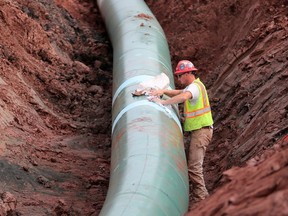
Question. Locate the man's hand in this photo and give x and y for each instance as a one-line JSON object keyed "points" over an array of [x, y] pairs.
{"points": [[156, 100], [155, 92]]}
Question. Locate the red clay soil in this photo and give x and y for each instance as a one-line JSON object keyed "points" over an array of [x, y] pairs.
{"points": [[55, 103]]}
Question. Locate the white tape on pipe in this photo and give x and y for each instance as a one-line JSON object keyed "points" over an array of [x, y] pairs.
{"points": [[133, 80]]}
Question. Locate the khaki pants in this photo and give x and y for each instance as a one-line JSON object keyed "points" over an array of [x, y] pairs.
{"points": [[198, 144]]}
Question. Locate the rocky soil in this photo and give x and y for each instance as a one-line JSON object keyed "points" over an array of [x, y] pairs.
{"points": [[55, 103]]}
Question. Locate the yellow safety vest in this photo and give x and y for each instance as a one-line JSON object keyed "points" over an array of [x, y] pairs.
{"points": [[198, 115]]}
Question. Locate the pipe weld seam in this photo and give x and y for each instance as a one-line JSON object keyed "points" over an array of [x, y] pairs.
{"points": [[162, 108]]}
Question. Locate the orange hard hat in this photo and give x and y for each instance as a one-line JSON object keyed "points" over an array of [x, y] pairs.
{"points": [[185, 66]]}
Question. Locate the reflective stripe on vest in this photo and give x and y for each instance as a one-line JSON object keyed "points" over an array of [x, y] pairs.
{"points": [[198, 112], [206, 107]]}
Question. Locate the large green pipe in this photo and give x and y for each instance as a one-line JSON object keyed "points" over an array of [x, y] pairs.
{"points": [[148, 163]]}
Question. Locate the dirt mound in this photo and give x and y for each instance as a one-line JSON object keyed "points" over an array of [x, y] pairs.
{"points": [[55, 107], [55, 102]]}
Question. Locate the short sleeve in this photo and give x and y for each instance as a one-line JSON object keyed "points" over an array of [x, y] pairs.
{"points": [[194, 90]]}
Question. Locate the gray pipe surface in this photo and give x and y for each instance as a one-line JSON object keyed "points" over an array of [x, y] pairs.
{"points": [[148, 163]]}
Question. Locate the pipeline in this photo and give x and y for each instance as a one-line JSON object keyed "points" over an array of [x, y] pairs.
{"points": [[148, 163]]}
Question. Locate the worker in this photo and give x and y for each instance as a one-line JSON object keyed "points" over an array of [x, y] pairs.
{"points": [[198, 121]]}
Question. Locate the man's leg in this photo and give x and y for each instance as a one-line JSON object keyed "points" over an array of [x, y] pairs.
{"points": [[198, 144]]}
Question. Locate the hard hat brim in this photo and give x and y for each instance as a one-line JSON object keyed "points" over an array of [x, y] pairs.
{"points": [[186, 71]]}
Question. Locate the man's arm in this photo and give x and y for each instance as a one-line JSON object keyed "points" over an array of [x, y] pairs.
{"points": [[180, 98], [168, 92]]}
